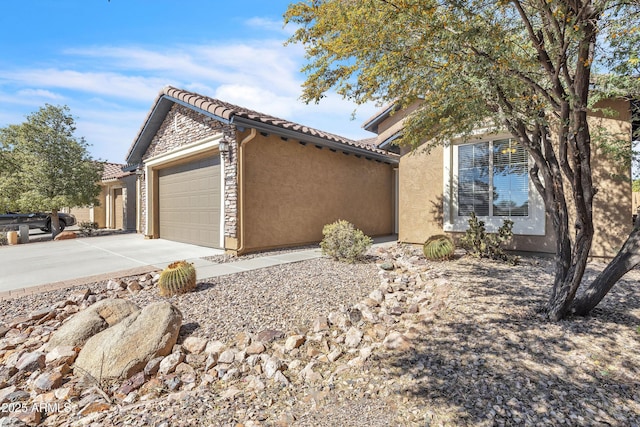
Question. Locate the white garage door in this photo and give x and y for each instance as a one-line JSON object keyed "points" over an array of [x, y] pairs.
{"points": [[189, 202]]}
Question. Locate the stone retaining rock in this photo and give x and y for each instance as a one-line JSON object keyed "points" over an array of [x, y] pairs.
{"points": [[125, 348], [99, 316]]}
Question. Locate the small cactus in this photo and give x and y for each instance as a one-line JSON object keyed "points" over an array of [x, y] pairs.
{"points": [[439, 248], [178, 278]]}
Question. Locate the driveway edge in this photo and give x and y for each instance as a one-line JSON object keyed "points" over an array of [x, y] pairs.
{"points": [[15, 293]]}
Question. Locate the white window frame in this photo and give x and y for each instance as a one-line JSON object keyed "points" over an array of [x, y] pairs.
{"points": [[531, 225]]}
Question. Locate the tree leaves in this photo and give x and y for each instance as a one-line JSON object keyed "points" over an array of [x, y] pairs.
{"points": [[45, 167]]}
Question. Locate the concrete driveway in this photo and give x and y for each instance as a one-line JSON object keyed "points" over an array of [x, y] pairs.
{"points": [[34, 264]]}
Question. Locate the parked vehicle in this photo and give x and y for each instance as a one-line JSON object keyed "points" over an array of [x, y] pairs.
{"points": [[13, 220]]}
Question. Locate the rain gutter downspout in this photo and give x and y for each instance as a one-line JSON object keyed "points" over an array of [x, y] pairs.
{"points": [[241, 192]]}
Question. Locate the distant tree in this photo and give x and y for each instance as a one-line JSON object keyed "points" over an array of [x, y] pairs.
{"points": [[44, 167], [521, 65], [636, 185]]}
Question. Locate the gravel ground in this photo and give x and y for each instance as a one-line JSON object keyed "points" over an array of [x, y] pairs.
{"points": [[278, 297], [285, 297], [480, 354]]}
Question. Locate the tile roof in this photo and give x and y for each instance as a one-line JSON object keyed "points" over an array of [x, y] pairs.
{"points": [[113, 171], [242, 117]]}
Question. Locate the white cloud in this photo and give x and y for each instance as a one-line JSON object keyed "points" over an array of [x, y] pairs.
{"points": [[104, 83], [257, 99], [266, 24], [112, 96], [39, 94]]}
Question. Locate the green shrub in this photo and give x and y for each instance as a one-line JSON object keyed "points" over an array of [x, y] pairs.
{"points": [[3, 238], [439, 248], [343, 242], [87, 228], [481, 244]]}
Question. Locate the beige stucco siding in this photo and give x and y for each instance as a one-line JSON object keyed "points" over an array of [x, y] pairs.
{"points": [[421, 188], [292, 190], [420, 195], [612, 205]]}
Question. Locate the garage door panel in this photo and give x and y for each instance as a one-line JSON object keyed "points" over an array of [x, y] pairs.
{"points": [[189, 202]]}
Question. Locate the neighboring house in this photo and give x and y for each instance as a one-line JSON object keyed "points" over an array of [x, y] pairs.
{"points": [[116, 208], [216, 174], [488, 175]]}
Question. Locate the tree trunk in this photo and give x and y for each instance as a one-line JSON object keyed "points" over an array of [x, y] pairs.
{"points": [[55, 223], [626, 259], [567, 280]]}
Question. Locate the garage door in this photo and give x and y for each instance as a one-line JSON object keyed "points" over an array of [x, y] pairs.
{"points": [[189, 202]]}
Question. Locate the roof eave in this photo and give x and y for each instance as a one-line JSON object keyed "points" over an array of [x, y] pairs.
{"points": [[154, 121], [301, 136], [372, 124]]}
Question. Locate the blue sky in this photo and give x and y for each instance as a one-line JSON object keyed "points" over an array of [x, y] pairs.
{"points": [[108, 60]]}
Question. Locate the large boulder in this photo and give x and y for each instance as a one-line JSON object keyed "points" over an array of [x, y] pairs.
{"points": [[95, 318], [123, 350]]}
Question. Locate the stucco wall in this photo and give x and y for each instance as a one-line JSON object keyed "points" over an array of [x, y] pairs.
{"points": [[612, 205], [291, 191], [420, 198], [420, 195]]}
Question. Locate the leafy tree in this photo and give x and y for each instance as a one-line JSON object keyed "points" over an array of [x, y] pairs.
{"points": [[636, 185], [533, 67], [45, 167]]}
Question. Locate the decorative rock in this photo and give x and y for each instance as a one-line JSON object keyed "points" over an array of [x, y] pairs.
{"points": [[211, 361], [396, 341], [227, 356], [133, 383], [272, 365], [242, 340], [134, 286], [269, 335], [129, 345], [334, 355], [5, 392], [214, 347], [355, 315], [61, 355], [184, 368], [377, 296], [31, 362], [339, 319], [320, 324], [30, 417], [294, 341], [48, 381], [90, 321], [255, 348], [170, 362], [194, 345], [65, 235], [116, 285], [353, 338], [37, 315], [279, 377], [151, 368], [94, 407], [386, 266]]}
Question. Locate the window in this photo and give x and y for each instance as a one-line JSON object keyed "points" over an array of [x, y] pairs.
{"points": [[491, 179]]}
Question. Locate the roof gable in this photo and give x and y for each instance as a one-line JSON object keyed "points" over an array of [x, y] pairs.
{"points": [[242, 118]]}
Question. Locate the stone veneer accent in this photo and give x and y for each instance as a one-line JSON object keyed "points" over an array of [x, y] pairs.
{"points": [[183, 126]]}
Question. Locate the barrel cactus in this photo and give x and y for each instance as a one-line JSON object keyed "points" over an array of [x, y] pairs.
{"points": [[178, 278], [439, 248]]}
